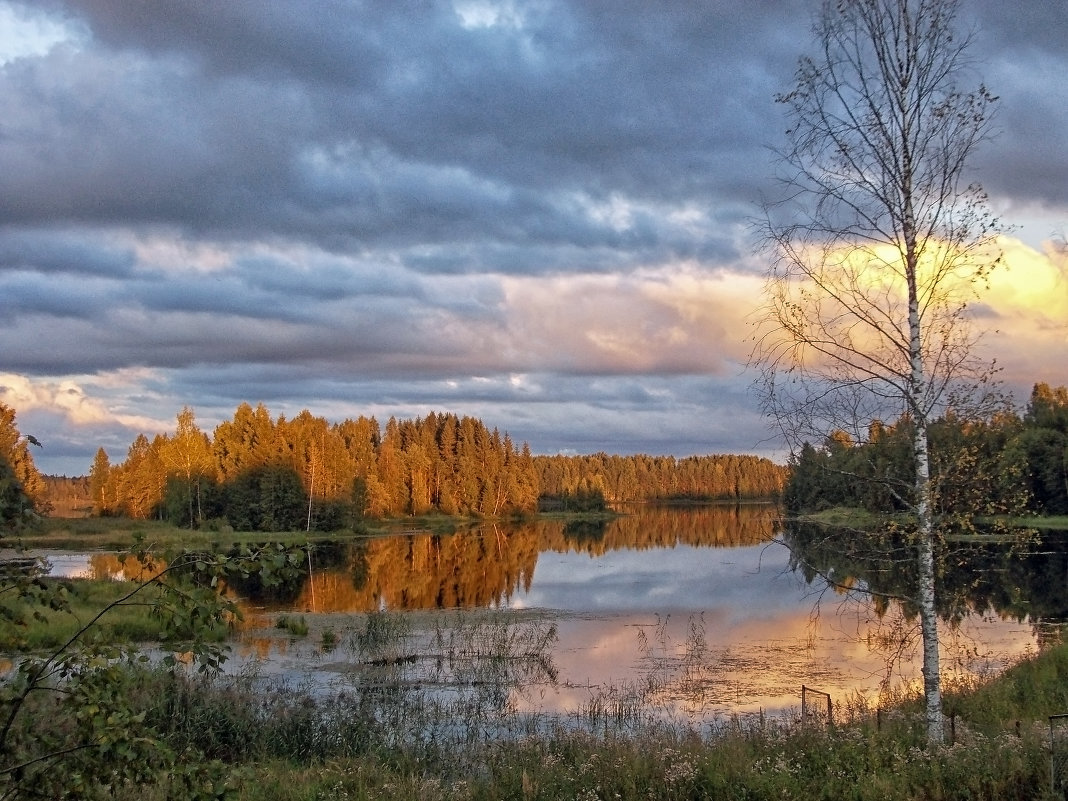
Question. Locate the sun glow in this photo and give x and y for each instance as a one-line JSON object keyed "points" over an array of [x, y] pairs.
{"points": [[1014, 297]]}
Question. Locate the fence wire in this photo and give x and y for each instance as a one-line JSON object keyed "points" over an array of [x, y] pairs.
{"points": [[815, 707]]}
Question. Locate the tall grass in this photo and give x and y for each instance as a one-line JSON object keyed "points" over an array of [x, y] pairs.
{"points": [[433, 715], [388, 731], [286, 745]]}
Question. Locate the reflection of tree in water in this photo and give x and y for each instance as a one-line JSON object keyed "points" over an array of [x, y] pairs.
{"points": [[484, 565], [582, 530], [649, 526], [475, 568], [1020, 581]]}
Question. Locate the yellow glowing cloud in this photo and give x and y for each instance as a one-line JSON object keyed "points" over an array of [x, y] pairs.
{"points": [[1027, 317], [1032, 288], [1020, 307], [673, 316]]}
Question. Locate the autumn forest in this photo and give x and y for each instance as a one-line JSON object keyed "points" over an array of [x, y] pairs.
{"points": [[258, 472]]}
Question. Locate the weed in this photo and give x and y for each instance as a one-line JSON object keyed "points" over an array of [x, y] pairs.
{"points": [[329, 640], [298, 627]]}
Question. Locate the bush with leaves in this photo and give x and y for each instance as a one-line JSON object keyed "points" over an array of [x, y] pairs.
{"points": [[70, 728]]}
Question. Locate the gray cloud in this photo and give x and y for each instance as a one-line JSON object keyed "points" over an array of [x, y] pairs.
{"points": [[532, 212], [55, 252], [227, 122]]}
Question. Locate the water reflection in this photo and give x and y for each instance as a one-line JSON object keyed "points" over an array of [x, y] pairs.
{"points": [[102, 566], [494, 564], [1019, 577], [685, 613], [700, 612]]}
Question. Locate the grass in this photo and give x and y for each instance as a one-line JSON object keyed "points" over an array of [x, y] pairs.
{"points": [[1054, 522], [328, 639], [429, 712], [116, 533], [111, 533], [298, 627], [846, 517], [37, 628], [862, 519], [283, 746], [20, 630]]}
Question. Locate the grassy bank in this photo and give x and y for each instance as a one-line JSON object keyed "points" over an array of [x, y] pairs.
{"points": [[31, 627], [111, 533], [285, 747], [114, 533], [1056, 522], [863, 520]]}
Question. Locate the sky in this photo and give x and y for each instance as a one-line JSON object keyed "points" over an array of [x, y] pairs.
{"points": [[534, 213]]}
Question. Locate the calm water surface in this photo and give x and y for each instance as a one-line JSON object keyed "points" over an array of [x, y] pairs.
{"points": [[697, 606]]}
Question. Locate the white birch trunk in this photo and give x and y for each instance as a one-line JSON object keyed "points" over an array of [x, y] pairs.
{"points": [[925, 596]]}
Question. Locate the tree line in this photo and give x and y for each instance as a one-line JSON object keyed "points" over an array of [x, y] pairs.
{"points": [[1004, 462], [621, 479], [256, 472]]}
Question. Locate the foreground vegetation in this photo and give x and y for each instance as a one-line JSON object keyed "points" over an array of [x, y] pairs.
{"points": [[84, 717], [437, 717], [25, 628], [250, 738]]}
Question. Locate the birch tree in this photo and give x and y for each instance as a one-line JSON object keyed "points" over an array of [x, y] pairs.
{"points": [[877, 245]]}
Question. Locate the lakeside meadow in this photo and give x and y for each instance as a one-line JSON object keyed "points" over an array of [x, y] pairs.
{"points": [[429, 709]]}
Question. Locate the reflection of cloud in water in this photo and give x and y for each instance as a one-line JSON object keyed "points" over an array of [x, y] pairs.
{"points": [[69, 565], [748, 665], [747, 580]]}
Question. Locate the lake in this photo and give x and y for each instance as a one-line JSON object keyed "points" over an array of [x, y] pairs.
{"points": [[694, 612]]}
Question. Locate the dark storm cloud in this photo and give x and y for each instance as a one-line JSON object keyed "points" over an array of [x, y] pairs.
{"points": [[391, 122], [1020, 55], [216, 119], [58, 252], [1025, 162], [29, 295]]}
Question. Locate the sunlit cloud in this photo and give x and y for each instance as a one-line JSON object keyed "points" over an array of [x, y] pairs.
{"points": [[1014, 301], [71, 400], [675, 319], [1026, 314], [476, 14], [171, 253]]}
